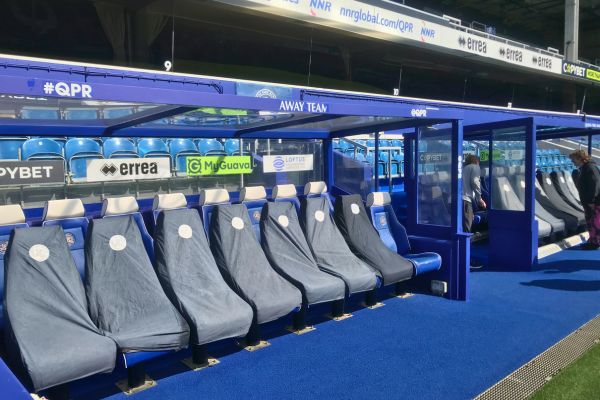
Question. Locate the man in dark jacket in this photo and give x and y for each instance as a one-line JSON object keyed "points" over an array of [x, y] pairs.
{"points": [[588, 185]]}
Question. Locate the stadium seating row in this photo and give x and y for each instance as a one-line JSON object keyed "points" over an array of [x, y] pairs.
{"points": [[205, 275], [77, 151]]}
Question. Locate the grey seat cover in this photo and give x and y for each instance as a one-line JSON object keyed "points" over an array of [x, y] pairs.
{"points": [[556, 199], [560, 184], [544, 228], [571, 185], [125, 298], [49, 330], [191, 279], [571, 221], [503, 195], [329, 248], [285, 246], [362, 238], [245, 266], [557, 224]]}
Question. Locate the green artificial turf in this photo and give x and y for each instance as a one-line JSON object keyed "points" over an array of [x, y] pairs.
{"points": [[580, 380]]}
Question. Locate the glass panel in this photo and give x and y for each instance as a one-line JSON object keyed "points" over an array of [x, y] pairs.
{"points": [[434, 155], [111, 159], [508, 168]]}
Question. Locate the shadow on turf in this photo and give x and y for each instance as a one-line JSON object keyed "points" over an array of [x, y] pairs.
{"points": [[569, 285]]}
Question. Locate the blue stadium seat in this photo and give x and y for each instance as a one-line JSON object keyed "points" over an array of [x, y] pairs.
{"points": [[80, 113], [380, 168], [116, 112], [120, 206], [254, 197], [232, 147], [39, 113], [210, 147], [11, 217], [286, 193], [152, 148], [10, 147], [70, 215], [41, 149], [360, 157], [209, 198], [77, 152], [393, 234], [179, 150], [119, 148]]}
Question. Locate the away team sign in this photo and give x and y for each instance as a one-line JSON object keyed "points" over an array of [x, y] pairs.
{"points": [[288, 163], [218, 165], [125, 169]]}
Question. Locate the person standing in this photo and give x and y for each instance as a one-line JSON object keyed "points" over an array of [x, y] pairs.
{"points": [[588, 186], [471, 190]]}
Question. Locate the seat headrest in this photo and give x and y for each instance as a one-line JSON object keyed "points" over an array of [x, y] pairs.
{"points": [[169, 201], [119, 206], [67, 208], [11, 214], [378, 199], [318, 187], [213, 196], [443, 176], [284, 191], [251, 193]]}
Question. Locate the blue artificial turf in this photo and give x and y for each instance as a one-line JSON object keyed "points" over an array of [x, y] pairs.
{"points": [[423, 347]]}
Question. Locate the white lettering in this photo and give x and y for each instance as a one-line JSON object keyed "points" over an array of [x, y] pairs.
{"points": [[62, 89]]}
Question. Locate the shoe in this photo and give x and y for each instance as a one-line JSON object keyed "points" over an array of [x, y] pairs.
{"points": [[589, 246]]}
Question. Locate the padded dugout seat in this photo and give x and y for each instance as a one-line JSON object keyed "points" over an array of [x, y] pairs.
{"points": [[254, 198], [286, 248], [286, 192], [50, 332], [364, 241], [209, 198], [189, 274], [560, 183], [557, 225], [245, 266], [557, 201], [128, 205], [126, 300], [11, 218], [394, 236], [329, 248], [70, 215]]}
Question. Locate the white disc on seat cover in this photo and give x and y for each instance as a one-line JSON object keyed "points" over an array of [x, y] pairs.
{"points": [[548, 181], [184, 231], [117, 242], [39, 252], [283, 221], [237, 223], [319, 215], [523, 184], [506, 188], [355, 209]]}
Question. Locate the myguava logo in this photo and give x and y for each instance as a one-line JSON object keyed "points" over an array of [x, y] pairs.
{"points": [[3, 246], [193, 165], [278, 163], [382, 220], [256, 215], [266, 94], [70, 238]]}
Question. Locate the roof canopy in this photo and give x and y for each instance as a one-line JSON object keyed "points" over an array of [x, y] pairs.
{"points": [[52, 98]]}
